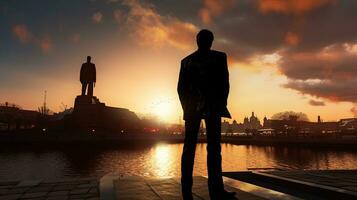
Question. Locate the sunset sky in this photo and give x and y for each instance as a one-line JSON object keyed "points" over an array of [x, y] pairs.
{"points": [[298, 55]]}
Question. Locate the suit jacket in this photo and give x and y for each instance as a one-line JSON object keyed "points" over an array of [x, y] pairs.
{"points": [[88, 73], [203, 84]]}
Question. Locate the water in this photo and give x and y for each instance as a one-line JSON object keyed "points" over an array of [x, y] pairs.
{"points": [[159, 160]]}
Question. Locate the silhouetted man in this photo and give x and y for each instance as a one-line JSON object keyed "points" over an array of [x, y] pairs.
{"points": [[88, 77], [203, 89]]}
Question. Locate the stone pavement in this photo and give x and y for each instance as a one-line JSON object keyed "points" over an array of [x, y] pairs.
{"points": [[343, 179], [128, 188], [86, 189], [306, 184]]}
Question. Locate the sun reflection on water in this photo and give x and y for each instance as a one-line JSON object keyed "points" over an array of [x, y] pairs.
{"points": [[164, 159]]}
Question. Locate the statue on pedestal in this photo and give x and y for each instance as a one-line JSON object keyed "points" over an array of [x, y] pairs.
{"points": [[88, 77]]}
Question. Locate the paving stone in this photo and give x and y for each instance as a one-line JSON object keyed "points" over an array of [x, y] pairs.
{"points": [[4, 191], [18, 190], [79, 191], [6, 183], [58, 193], [92, 198], [353, 188], [86, 185], [36, 198], [41, 189], [34, 195], [57, 198], [79, 196], [6, 186], [28, 183], [93, 191], [63, 187], [11, 197]]}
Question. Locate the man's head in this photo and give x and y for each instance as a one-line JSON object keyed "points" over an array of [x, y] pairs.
{"points": [[204, 39], [89, 58]]}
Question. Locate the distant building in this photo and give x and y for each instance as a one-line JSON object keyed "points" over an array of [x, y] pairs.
{"points": [[348, 126], [292, 126], [13, 117], [248, 125]]}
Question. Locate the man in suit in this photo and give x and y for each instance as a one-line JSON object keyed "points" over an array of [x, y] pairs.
{"points": [[88, 77], [203, 89]]}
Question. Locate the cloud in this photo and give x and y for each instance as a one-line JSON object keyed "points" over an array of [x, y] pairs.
{"points": [[331, 90], [46, 44], [354, 110], [296, 7], [314, 43], [24, 35], [75, 38], [151, 28], [330, 73], [212, 8], [118, 15], [292, 38], [316, 103], [97, 17]]}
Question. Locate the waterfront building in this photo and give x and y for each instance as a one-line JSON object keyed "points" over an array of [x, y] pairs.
{"points": [[12, 117], [292, 126]]}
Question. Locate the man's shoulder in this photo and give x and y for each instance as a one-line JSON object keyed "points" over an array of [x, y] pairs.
{"points": [[189, 57], [218, 53]]}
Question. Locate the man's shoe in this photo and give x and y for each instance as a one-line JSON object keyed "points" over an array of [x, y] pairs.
{"points": [[227, 195], [187, 196]]}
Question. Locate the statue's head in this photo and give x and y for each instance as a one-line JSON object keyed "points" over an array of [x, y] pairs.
{"points": [[89, 58], [204, 39]]}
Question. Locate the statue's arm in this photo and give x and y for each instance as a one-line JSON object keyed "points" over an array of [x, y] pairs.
{"points": [[95, 73], [81, 75]]}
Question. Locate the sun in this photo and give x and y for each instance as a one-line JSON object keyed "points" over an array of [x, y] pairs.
{"points": [[163, 110]]}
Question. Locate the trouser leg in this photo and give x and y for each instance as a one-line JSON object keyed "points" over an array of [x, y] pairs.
{"points": [[188, 156], [214, 158], [84, 86], [90, 89]]}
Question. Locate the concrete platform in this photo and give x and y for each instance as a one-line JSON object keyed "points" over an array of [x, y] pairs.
{"points": [[50, 190], [144, 188], [249, 185], [306, 184]]}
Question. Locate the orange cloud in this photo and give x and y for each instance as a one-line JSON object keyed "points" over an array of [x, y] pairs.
{"points": [[291, 6], [97, 17], [150, 28], [213, 8], [292, 38], [22, 33], [354, 110], [118, 15], [46, 44], [75, 38]]}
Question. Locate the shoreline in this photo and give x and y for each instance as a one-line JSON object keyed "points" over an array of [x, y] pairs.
{"points": [[98, 139]]}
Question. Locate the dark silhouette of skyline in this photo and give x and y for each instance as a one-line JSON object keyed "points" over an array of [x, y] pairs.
{"points": [[203, 89]]}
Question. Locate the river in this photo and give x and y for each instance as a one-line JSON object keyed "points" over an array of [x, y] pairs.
{"points": [[159, 160]]}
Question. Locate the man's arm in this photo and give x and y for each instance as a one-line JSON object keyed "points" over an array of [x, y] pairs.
{"points": [[181, 86], [225, 79]]}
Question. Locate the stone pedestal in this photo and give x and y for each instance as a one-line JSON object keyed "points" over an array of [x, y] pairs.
{"points": [[90, 114]]}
